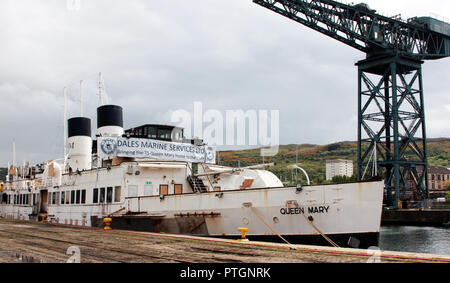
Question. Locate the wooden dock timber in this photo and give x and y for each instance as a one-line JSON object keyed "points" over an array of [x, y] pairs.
{"points": [[38, 242]]}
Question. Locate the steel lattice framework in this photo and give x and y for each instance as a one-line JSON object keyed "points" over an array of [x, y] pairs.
{"points": [[362, 28], [391, 115]]}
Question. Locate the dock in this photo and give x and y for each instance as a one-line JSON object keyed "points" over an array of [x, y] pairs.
{"points": [[416, 216], [23, 241]]}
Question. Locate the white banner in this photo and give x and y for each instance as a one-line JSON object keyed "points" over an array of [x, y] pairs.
{"points": [[148, 148]]}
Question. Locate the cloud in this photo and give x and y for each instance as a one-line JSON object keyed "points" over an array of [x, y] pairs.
{"points": [[160, 56]]}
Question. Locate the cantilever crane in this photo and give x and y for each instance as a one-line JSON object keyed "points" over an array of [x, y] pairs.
{"points": [[391, 115]]}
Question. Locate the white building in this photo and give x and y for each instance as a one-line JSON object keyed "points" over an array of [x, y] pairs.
{"points": [[339, 167]]}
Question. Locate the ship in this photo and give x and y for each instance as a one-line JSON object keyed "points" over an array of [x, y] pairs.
{"points": [[152, 178]]}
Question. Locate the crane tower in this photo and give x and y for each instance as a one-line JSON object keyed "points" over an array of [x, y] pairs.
{"points": [[391, 115]]}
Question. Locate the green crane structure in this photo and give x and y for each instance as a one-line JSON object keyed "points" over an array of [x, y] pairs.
{"points": [[391, 115]]}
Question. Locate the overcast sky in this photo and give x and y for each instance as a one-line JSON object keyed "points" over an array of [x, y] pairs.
{"points": [[160, 56]]}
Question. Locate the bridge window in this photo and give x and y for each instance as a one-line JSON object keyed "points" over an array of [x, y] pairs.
{"points": [[117, 193], [102, 195], [109, 195], [95, 196], [67, 197], [78, 196]]}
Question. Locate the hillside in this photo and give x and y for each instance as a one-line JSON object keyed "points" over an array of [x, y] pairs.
{"points": [[313, 157]]}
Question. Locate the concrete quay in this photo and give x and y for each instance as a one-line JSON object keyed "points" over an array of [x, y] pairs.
{"points": [[40, 242]]}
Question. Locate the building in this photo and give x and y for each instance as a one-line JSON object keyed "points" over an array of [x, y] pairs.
{"points": [[339, 167], [438, 178]]}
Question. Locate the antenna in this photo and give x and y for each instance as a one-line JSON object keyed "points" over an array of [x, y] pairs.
{"points": [[100, 89], [65, 124], [14, 153], [81, 98]]}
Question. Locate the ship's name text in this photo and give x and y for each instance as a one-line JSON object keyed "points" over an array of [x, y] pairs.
{"points": [[301, 210]]}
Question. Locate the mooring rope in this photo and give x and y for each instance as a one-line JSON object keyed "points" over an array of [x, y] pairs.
{"points": [[267, 224], [320, 232]]}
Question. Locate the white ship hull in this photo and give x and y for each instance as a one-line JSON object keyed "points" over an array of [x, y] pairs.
{"points": [[338, 211], [144, 179]]}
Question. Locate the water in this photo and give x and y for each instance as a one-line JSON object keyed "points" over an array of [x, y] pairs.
{"points": [[429, 240]]}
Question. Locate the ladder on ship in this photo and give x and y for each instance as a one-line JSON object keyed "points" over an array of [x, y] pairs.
{"points": [[197, 184]]}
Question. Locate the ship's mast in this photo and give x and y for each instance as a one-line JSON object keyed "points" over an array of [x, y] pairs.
{"points": [[65, 126], [100, 89]]}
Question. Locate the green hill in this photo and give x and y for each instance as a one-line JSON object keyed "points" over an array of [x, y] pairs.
{"points": [[313, 157]]}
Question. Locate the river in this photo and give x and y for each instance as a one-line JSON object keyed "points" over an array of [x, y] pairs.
{"points": [[430, 240]]}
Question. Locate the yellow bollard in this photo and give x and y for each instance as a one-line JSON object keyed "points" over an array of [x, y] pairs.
{"points": [[107, 223], [243, 231]]}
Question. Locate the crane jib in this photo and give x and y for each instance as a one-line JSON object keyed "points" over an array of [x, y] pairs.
{"points": [[362, 28]]}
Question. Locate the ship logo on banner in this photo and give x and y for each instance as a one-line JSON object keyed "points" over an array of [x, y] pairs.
{"points": [[160, 150], [108, 146]]}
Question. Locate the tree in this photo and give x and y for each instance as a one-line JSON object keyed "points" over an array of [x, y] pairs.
{"points": [[343, 179], [447, 185]]}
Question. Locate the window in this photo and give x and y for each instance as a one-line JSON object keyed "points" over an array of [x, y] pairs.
{"points": [[102, 195], [163, 189], [148, 190], [164, 134], [152, 132], [217, 189], [95, 196], [78, 196], [83, 196], [109, 194], [117, 193], [63, 197], [57, 198], [67, 197], [72, 197], [132, 191], [178, 189]]}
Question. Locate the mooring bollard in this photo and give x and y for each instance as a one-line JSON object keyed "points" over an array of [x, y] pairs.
{"points": [[243, 231], [107, 223]]}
